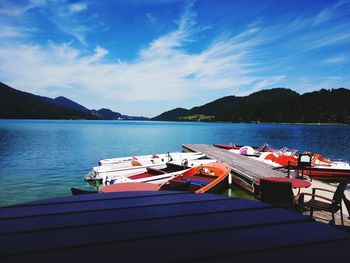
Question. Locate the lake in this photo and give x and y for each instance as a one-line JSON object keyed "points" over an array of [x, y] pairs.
{"points": [[44, 158]]}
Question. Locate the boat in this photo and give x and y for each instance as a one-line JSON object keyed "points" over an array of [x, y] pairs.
{"points": [[326, 170], [228, 146], [321, 168], [136, 165], [245, 149], [77, 191], [205, 178], [154, 175], [129, 186], [144, 158]]}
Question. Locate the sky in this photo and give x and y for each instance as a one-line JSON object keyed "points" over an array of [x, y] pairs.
{"points": [[144, 57]]}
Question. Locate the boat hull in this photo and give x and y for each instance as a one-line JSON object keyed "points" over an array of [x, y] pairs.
{"points": [[99, 173], [328, 174], [201, 179], [158, 176]]}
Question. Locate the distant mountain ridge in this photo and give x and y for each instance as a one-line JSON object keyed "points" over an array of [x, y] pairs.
{"points": [[15, 104], [278, 105], [70, 104]]}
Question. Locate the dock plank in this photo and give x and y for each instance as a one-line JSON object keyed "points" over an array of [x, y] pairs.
{"points": [[146, 229], [241, 165], [206, 228], [90, 218], [111, 204]]}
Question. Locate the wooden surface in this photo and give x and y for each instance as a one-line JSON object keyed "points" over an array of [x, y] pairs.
{"points": [[241, 165], [162, 226]]}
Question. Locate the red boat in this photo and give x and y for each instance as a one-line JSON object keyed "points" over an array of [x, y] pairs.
{"points": [[210, 177], [264, 148], [228, 146], [324, 169], [320, 168]]}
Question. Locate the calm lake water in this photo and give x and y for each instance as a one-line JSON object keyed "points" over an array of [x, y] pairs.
{"points": [[43, 158]]}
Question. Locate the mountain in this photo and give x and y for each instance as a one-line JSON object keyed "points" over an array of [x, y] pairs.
{"points": [[134, 118], [70, 104], [172, 115], [22, 105], [106, 114], [15, 104], [278, 105]]}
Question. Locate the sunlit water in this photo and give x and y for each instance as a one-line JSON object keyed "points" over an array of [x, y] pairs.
{"points": [[41, 159]]}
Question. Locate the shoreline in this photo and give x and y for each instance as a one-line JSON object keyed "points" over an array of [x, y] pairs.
{"points": [[222, 122]]}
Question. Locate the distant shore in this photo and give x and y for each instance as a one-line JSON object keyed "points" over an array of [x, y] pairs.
{"points": [[193, 121]]}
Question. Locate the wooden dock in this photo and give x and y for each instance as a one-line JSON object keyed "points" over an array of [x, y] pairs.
{"points": [[247, 169], [163, 226]]}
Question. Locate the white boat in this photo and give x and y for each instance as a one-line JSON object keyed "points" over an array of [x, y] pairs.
{"points": [[156, 176], [161, 156], [138, 165]]}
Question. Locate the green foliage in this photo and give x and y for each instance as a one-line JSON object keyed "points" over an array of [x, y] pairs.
{"points": [[197, 117]]}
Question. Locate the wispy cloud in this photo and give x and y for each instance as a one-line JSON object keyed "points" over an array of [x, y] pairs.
{"points": [[70, 20], [13, 8], [336, 59], [67, 17], [151, 20], [12, 32], [330, 13], [309, 84], [77, 7]]}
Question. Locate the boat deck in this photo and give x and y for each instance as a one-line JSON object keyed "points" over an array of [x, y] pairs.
{"points": [[163, 226]]}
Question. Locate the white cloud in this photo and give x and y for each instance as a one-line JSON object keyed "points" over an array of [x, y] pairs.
{"points": [[329, 12], [7, 31], [336, 60], [151, 19], [77, 7], [308, 84], [11, 8], [267, 82], [67, 17], [70, 18]]}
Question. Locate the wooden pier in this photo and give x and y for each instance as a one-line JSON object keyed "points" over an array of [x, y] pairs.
{"points": [[246, 169], [163, 226]]}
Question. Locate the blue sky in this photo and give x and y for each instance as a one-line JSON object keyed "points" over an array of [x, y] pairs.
{"points": [[143, 57]]}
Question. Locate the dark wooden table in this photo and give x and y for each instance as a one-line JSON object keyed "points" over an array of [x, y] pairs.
{"points": [[296, 183], [163, 226]]}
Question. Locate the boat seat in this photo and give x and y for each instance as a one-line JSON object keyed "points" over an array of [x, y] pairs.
{"points": [[176, 185], [173, 167], [199, 182], [155, 171], [206, 176]]}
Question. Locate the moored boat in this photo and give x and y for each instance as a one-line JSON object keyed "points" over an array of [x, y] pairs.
{"points": [[324, 169], [77, 191], [154, 175], [169, 156], [242, 149], [320, 168], [129, 186], [210, 177], [135, 166]]}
